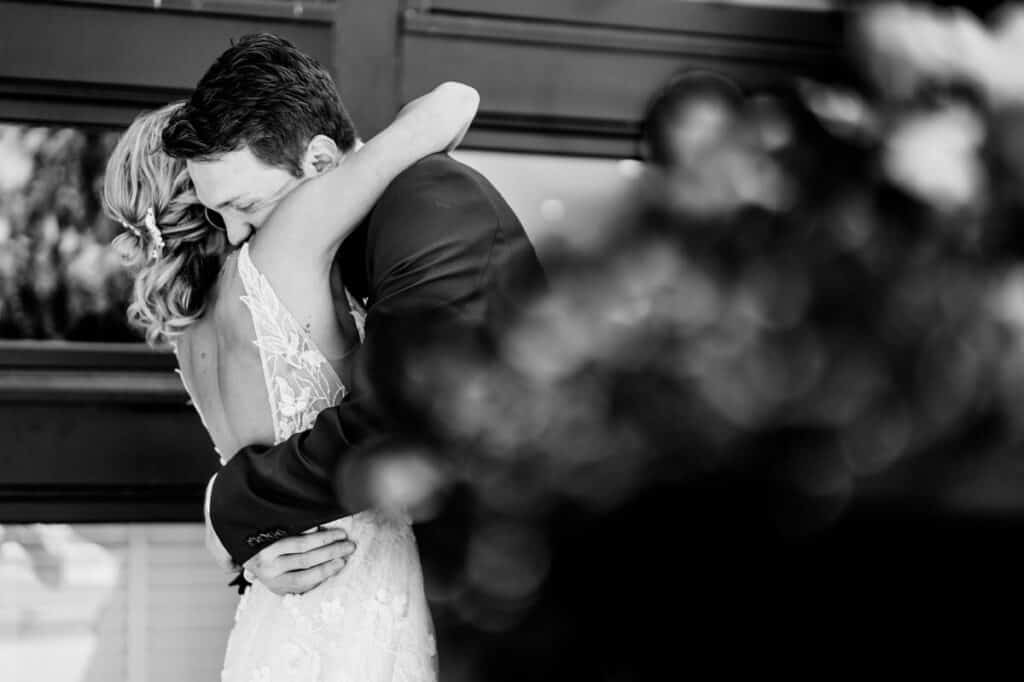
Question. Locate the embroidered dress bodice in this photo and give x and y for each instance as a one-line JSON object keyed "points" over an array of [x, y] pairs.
{"points": [[369, 623]]}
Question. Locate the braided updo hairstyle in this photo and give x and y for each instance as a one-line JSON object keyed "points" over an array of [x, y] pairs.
{"points": [[176, 253]]}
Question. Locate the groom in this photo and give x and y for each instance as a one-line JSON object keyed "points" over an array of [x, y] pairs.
{"points": [[441, 252]]}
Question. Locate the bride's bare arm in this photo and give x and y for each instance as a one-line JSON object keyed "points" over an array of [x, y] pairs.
{"points": [[322, 211]]}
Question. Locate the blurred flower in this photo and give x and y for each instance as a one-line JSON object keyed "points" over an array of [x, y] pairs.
{"points": [[407, 482], [736, 174], [1007, 300], [505, 567], [934, 156], [817, 302], [18, 166], [1003, 78], [59, 278], [907, 46], [845, 113]]}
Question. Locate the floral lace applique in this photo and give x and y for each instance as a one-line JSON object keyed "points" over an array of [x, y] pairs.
{"points": [[300, 382]]}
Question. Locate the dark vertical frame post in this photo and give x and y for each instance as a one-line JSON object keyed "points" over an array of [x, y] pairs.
{"points": [[367, 60]]}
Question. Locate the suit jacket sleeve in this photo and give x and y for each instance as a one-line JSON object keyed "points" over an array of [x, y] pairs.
{"points": [[442, 248]]}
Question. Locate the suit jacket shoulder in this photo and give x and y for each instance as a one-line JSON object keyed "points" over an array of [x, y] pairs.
{"points": [[435, 237]]}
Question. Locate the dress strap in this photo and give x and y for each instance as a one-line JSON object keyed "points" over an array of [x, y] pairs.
{"points": [[300, 381]]}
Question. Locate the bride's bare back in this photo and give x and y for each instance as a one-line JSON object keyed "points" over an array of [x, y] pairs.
{"points": [[220, 366]]}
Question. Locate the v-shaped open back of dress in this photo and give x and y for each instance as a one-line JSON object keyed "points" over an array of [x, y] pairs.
{"points": [[370, 622]]}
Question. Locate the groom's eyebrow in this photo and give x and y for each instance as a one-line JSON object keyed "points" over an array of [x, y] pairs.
{"points": [[225, 204], [246, 199]]}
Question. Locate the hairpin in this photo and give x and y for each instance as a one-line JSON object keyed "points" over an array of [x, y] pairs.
{"points": [[156, 239], [134, 230]]}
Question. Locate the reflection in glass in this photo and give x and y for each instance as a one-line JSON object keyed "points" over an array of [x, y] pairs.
{"points": [[105, 603], [59, 277], [559, 199]]}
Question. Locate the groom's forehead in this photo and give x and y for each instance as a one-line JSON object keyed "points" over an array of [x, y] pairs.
{"points": [[210, 182], [221, 179]]}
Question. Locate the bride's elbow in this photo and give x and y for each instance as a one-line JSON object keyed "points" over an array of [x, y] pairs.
{"points": [[463, 98]]}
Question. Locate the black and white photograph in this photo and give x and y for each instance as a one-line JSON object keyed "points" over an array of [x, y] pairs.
{"points": [[510, 340]]}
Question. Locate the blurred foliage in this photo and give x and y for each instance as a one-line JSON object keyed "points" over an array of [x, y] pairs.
{"points": [[820, 299], [59, 278]]}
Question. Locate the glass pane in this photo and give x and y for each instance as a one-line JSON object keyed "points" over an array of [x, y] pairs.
{"points": [[557, 198], [59, 277], [782, 4], [111, 602]]}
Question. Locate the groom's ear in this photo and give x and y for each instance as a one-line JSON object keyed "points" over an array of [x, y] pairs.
{"points": [[321, 155]]}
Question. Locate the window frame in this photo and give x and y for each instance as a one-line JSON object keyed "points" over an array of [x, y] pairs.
{"points": [[141, 453], [98, 432]]}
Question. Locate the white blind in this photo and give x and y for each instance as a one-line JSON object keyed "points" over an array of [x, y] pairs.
{"points": [[109, 603]]}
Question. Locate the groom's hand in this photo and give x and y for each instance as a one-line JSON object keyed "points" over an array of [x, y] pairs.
{"points": [[299, 563]]}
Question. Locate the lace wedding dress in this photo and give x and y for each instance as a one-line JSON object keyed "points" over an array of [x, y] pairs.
{"points": [[369, 623]]}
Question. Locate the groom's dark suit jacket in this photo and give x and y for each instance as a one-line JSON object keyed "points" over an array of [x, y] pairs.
{"points": [[441, 253]]}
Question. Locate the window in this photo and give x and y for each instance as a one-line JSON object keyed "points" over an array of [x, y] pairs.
{"points": [[557, 197], [95, 429], [111, 602], [59, 276]]}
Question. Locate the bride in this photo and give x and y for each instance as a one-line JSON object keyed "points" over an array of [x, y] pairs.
{"points": [[256, 375]]}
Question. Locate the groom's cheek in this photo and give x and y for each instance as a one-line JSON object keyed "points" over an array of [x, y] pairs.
{"points": [[257, 220]]}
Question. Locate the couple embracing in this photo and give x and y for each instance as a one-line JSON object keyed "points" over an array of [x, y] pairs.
{"points": [[288, 264]]}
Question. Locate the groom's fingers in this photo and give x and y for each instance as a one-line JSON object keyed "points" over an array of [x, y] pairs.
{"points": [[298, 544], [303, 581], [315, 557], [299, 563]]}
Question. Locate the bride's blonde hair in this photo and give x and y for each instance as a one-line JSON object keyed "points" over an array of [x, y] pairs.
{"points": [[176, 252]]}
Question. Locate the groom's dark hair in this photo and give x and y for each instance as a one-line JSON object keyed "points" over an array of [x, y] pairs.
{"points": [[262, 92]]}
